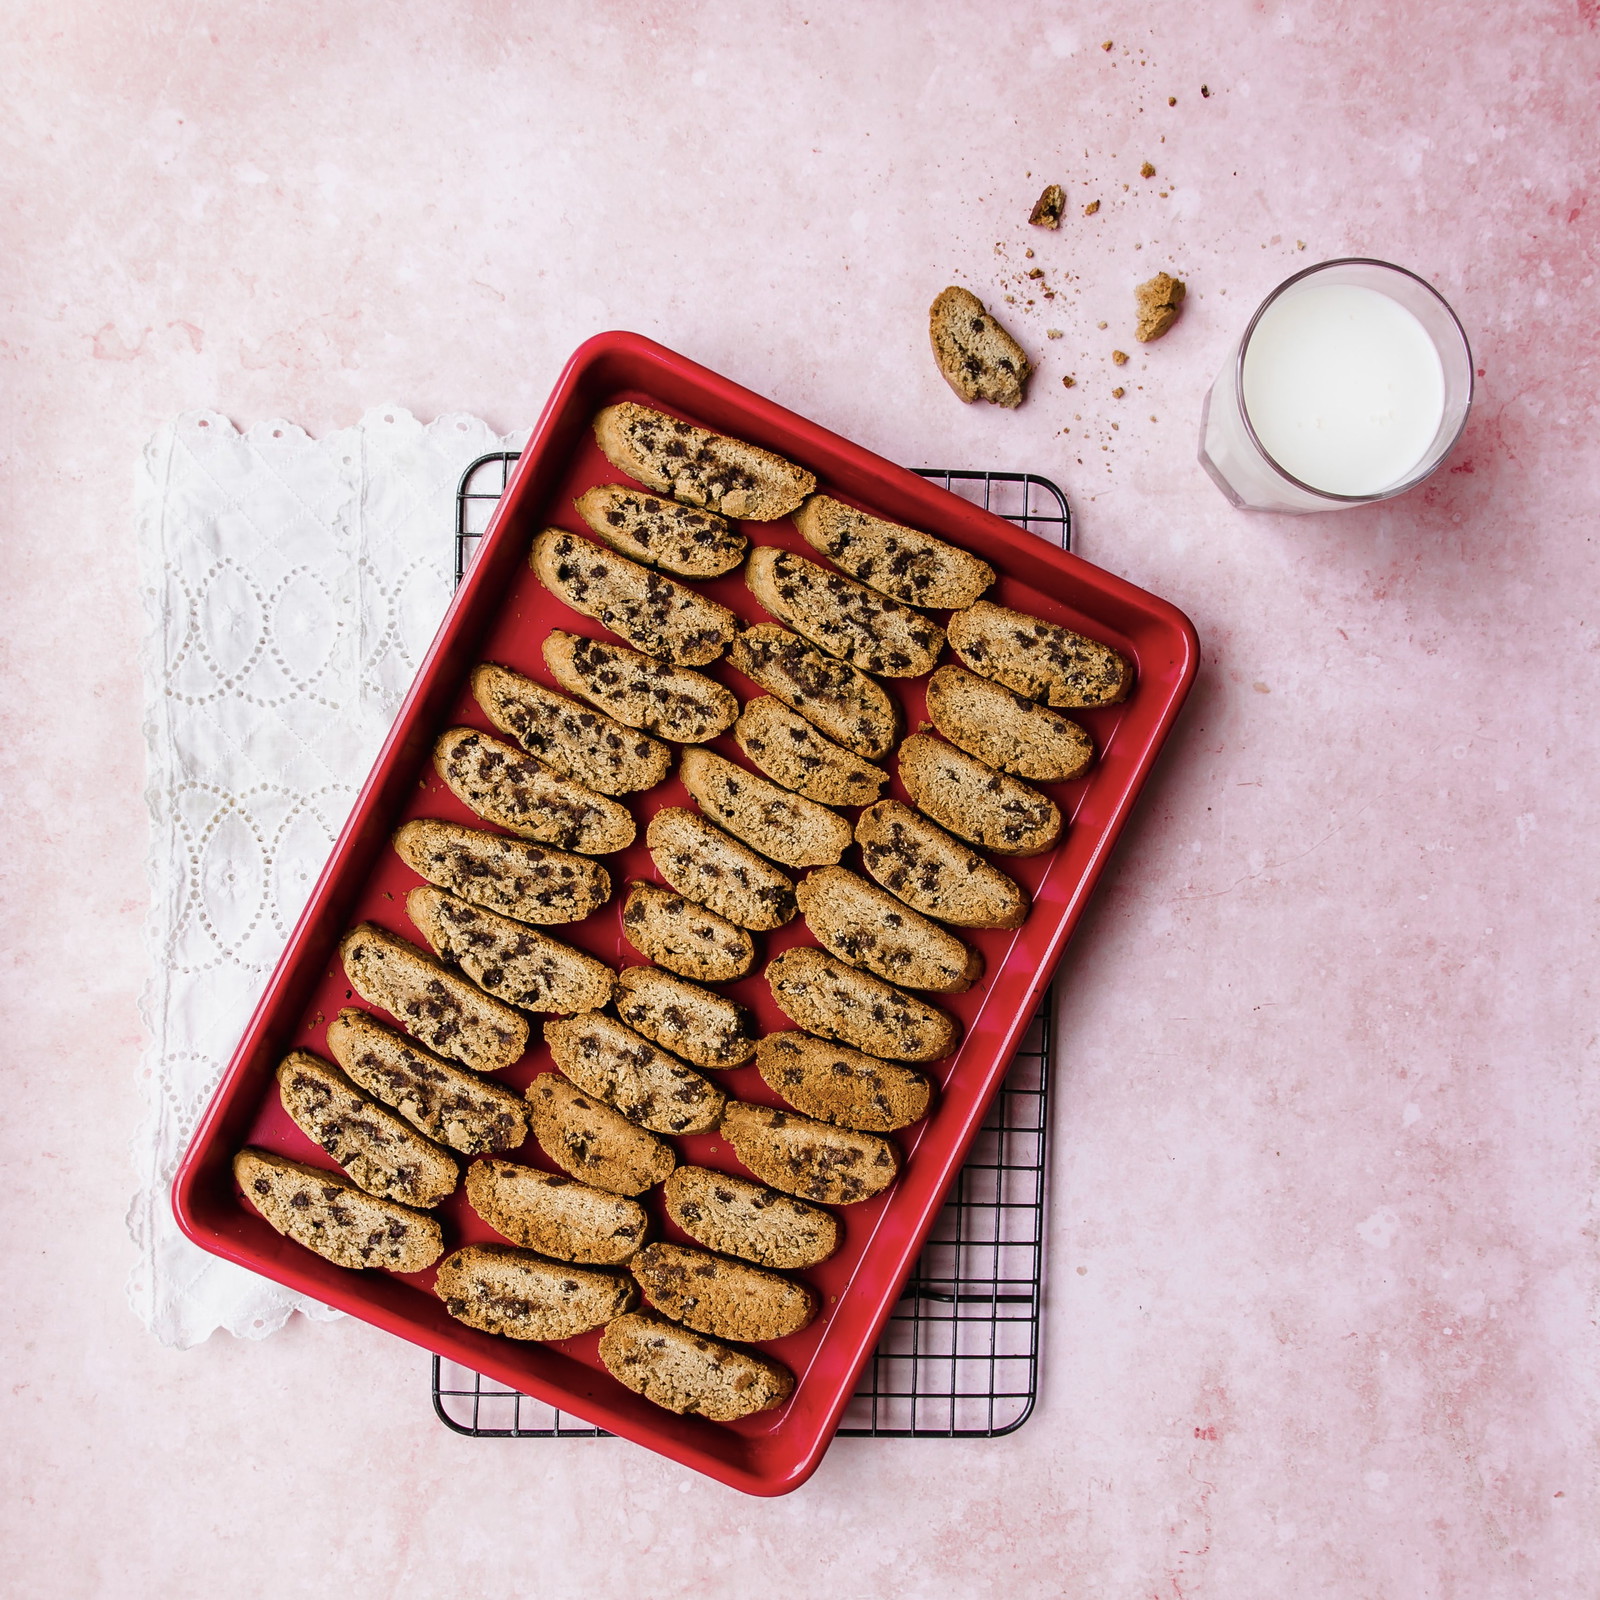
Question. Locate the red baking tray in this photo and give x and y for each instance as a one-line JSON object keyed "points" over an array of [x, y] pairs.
{"points": [[501, 613]]}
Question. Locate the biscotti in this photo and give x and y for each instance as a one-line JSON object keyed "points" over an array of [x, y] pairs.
{"points": [[652, 613], [688, 1373], [698, 1024], [575, 740], [973, 800], [675, 703], [470, 1114], [749, 1220], [432, 1003], [685, 937], [795, 753], [497, 1288], [518, 793], [698, 467], [845, 704], [782, 826], [510, 960], [554, 1214], [592, 1142], [726, 1299], [899, 562], [512, 876], [815, 1160], [702, 863], [868, 927], [609, 1060], [979, 359], [327, 1213], [934, 873], [661, 533], [827, 997], [1007, 730], [834, 1083], [373, 1146], [1039, 659], [843, 617]]}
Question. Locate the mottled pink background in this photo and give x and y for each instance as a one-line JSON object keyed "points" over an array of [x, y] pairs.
{"points": [[1322, 1266]]}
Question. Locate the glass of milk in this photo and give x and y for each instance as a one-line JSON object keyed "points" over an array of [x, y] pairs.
{"points": [[1350, 385]]}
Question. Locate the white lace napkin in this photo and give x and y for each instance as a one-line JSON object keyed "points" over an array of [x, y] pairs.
{"points": [[291, 586]]}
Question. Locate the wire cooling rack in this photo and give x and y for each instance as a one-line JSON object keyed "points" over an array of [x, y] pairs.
{"points": [[959, 1358]]}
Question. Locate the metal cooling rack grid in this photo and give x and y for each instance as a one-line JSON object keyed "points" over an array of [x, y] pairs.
{"points": [[959, 1357]]}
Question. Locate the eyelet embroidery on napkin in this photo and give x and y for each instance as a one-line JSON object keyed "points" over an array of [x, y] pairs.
{"points": [[291, 587]]}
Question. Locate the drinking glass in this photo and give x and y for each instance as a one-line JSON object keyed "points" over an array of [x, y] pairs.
{"points": [[1241, 465]]}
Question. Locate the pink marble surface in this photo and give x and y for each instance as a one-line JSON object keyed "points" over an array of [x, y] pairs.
{"points": [[1322, 1260]]}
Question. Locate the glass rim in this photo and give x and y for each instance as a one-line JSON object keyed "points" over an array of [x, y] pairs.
{"points": [[1244, 411]]}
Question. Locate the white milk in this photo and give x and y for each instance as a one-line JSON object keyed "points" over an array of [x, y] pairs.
{"points": [[1343, 387]]}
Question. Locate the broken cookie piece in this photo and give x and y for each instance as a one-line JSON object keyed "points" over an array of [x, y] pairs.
{"points": [[1047, 210], [1159, 302], [978, 358]]}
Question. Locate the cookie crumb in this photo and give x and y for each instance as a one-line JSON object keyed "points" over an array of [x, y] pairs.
{"points": [[1106, 45], [1159, 302], [1028, 253], [1172, 99], [1117, 394], [1011, 299], [1047, 209], [1299, 244], [1205, 93], [1069, 383], [1035, 272], [1147, 171], [1052, 333], [1092, 207], [1099, 324], [1120, 357]]}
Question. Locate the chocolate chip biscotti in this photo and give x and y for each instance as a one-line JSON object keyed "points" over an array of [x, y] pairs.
{"points": [[589, 1140], [572, 739], [749, 1220], [845, 704], [471, 1114], [897, 561], [654, 614], [794, 752], [432, 1003], [827, 997], [843, 617], [662, 533], [972, 800], [1006, 729], [373, 1146], [935, 873], [688, 1373], [507, 959], [727, 1299], [703, 863], [868, 927], [698, 1024], [784, 827], [556, 1215], [607, 1059], [327, 1213], [521, 795], [674, 703], [684, 937], [497, 1288], [1039, 659], [698, 467], [530, 882], [814, 1160], [834, 1083]]}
